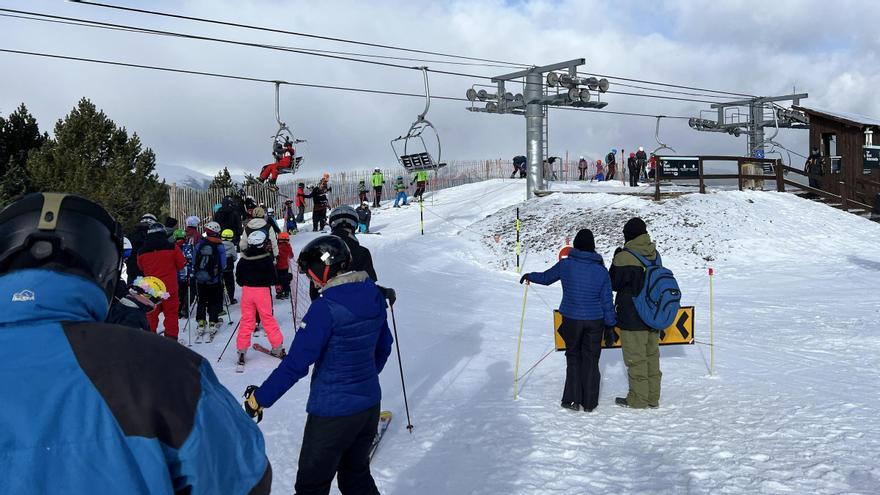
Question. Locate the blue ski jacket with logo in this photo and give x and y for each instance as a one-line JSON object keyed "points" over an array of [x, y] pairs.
{"points": [[345, 335], [92, 408]]}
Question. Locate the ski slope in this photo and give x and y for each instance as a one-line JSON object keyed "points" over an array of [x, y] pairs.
{"points": [[792, 406]]}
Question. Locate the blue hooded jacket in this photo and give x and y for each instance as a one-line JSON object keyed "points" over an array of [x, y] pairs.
{"points": [[586, 286], [102, 409], [345, 335]]}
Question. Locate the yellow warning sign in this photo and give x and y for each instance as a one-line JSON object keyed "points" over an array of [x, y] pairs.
{"points": [[679, 333]]}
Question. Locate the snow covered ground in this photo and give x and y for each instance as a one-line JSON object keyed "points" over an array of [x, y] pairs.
{"points": [[792, 407]]}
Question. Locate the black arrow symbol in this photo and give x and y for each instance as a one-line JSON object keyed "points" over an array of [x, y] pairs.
{"points": [[680, 325]]}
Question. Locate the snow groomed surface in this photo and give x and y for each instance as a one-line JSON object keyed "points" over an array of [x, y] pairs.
{"points": [[792, 407]]}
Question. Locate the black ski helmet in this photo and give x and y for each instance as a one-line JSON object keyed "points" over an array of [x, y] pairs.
{"points": [[324, 258], [344, 216], [62, 232]]}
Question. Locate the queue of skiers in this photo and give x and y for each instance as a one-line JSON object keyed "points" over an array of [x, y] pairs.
{"points": [[639, 166]]}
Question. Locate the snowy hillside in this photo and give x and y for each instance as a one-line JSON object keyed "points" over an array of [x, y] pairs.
{"points": [[792, 407], [182, 176]]}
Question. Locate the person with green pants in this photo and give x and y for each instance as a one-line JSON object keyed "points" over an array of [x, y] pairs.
{"points": [[378, 180], [639, 342]]}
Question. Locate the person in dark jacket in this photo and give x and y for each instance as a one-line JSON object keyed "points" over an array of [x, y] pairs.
{"points": [[131, 304], [255, 273], [343, 224], [163, 260], [210, 262], [101, 408], [345, 335], [642, 162], [229, 217], [813, 166], [364, 214], [320, 204], [611, 164], [587, 316], [640, 344], [137, 237], [632, 168]]}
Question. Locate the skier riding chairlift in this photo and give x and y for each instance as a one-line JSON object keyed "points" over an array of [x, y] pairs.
{"points": [[283, 150]]}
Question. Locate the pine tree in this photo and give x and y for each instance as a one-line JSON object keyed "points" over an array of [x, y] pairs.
{"points": [[222, 181], [92, 157], [19, 135], [250, 180]]}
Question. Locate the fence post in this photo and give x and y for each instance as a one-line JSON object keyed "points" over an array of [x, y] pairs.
{"points": [[843, 194], [657, 168], [739, 173], [780, 177], [702, 180]]}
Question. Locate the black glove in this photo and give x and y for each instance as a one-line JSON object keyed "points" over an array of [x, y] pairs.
{"points": [[610, 337], [617, 251], [524, 278], [251, 407], [389, 294]]}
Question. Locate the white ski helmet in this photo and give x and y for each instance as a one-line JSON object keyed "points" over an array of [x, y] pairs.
{"points": [[641, 149], [192, 221], [343, 216], [212, 228], [256, 238], [377, 169], [270, 211]]}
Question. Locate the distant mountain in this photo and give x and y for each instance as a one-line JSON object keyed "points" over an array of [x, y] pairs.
{"points": [[182, 176]]}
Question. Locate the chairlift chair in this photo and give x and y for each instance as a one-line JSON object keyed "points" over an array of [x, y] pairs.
{"points": [[663, 145], [284, 138], [421, 159]]}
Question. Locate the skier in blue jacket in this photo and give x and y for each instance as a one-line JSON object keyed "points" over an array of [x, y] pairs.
{"points": [[587, 314], [345, 335], [99, 408]]}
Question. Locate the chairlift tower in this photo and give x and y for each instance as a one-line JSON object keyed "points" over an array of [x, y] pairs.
{"points": [[570, 91], [762, 112]]}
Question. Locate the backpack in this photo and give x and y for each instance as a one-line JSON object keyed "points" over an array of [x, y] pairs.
{"points": [[660, 298], [207, 264]]}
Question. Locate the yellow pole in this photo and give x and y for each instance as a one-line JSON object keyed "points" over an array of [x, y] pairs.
{"points": [[518, 223], [711, 326], [422, 216], [522, 319]]}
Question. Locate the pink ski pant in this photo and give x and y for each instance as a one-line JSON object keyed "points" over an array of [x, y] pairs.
{"points": [[257, 300]]}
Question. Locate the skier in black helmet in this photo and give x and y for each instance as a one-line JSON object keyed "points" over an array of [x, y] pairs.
{"points": [[345, 335], [99, 408]]}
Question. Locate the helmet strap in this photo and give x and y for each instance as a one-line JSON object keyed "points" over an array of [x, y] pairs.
{"points": [[323, 280]]}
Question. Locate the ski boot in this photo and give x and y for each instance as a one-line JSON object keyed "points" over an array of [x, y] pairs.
{"points": [[233, 301], [215, 327], [574, 406], [278, 352], [200, 331], [222, 312], [239, 365]]}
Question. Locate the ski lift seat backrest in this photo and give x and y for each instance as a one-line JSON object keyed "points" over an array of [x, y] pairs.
{"points": [[291, 170], [417, 161]]}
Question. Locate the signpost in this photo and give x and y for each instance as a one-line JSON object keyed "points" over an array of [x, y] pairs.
{"points": [[679, 167], [872, 159]]}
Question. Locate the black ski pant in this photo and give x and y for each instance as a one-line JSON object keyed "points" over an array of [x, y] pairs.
{"points": [[362, 196], [420, 189], [319, 219], [284, 279], [633, 176], [582, 173], [583, 345], [186, 294], [340, 447], [210, 299], [377, 196], [300, 214], [229, 283]]}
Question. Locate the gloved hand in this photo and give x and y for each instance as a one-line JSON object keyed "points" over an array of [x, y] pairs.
{"points": [[524, 278], [389, 294], [610, 337], [251, 407], [617, 251]]}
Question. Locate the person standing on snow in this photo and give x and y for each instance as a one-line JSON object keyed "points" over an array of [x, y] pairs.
{"points": [[172, 433], [255, 273], [813, 166], [582, 168], [378, 180], [420, 178], [229, 217], [210, 261], [186, 287], [587, 316], [400, 189], [229, 270], [611, 162], [345, 335], [362, 191], [600, 172], [320, 204], [163, 260], [632, 167], [300, 202], [640, 344], [364, 214], [137, 237], [642, 162], [282, 266], [258, 222]]}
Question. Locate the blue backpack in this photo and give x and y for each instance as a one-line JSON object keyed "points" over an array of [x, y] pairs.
{"points": [[660, 298]]}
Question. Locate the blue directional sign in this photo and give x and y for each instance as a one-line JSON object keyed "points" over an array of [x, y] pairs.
{"points": [[759, 153]]}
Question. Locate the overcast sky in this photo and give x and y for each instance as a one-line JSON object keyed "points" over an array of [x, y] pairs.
{"points": [[828, 49]]}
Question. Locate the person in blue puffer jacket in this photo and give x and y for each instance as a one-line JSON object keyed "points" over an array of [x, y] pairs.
{"points": [[95, 408], [587, 314], [345, 335]]}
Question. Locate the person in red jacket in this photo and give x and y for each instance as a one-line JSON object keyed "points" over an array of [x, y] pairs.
{"points": [[162, 259], [282, 266], [283, 160], [300, 202]]}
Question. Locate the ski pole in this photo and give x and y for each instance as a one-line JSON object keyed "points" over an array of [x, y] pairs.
{"points": [[409, 425], [711, 326], [519, 343], [226, 302], [228, 341]]}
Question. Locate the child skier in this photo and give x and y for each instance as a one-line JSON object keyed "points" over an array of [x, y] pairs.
{"points": [[400, 189], [362, 191], [210, 261], [131, 303], [255, 273], [186, 288], [600, 174], [289, 218], [364, 214], [345, 335], [420, 178], [285, 252], [229, 271], [378, 180], [300, 202]]}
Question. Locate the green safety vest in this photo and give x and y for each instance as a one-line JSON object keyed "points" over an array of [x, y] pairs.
{"points": [[378, 179], [421, 176]]}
